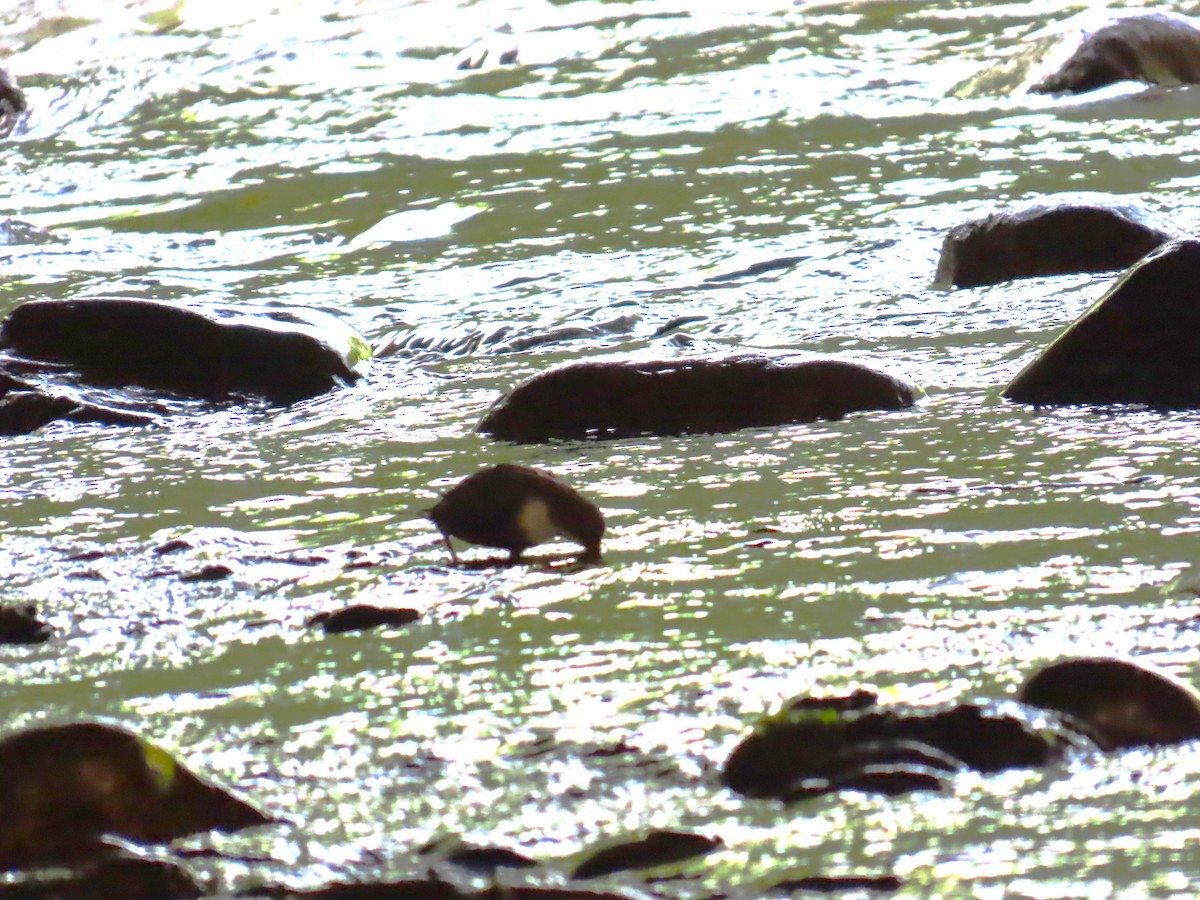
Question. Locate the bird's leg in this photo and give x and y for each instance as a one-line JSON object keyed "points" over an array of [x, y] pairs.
{"points": [[514, 557], [450, 547]]}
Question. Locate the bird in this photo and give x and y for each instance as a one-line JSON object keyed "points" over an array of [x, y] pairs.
{"points": [[513, 508]]}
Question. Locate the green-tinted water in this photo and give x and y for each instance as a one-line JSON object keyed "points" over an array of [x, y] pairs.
{"points": [[334, 156]]}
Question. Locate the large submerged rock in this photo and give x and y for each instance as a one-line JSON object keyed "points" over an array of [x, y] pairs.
{"points": [[1136, 344], [209, 352], [1053, 236], [1118, 703], [66, 786], [1152, 47], [818, 745], [615, 399]]}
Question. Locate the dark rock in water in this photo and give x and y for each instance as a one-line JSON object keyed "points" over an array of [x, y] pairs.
{"points": [[66, 786], [1153, 47], [430, 890], [811, 748], [13, 106], [123, 875], [15, 232], [656, 849], [827, 884], [1118, 702], [615, 399], [213, 353], [1136, 344], [21, 625], [517, 507], [1049, 237], [360, 617], [482, 860]]}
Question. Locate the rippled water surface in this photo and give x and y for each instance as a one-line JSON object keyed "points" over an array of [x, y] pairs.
{"points": [[479, 226]]}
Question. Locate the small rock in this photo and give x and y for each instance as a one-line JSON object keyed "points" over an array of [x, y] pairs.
{"points": [[360, 617], [13, 106], [827, 884], [517, 507], [1052, 236], [21, 625], [655, 849], [1120, 703], [1152, 47], [1134, 345], [616, 399]]}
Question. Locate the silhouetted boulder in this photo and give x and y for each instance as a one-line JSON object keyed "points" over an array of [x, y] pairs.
{"points": [[1152, 47], [1137, 344], [19, 624], [1119, 703], [66, 786], [657, 848], [1050, 237], [13, 106], [615, 399], [211, 352], [815, 746]]}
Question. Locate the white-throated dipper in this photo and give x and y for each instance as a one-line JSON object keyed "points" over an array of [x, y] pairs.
{"points": [[514, 508]]}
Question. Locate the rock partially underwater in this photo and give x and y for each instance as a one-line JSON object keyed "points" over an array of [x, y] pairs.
{"points": [[57, 353], [1151, 47], [1136, 344], [66, 786], [1052, 236], [819, 745], [616, 399]]}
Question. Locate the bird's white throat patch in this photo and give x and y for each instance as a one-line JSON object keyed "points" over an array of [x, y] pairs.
{"points": [[533, 518]]}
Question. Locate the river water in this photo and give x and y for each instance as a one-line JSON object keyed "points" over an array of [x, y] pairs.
{"points": [[479, 226]]}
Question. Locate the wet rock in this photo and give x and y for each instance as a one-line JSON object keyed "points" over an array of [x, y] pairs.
{"points": [[481, 860], [21, 625], [517, 507], [212, 352], [13, 107], [655, 849], [1134, 345], [1152, 47], [15, 232], [124, 875], [25, 410], [361, 617], [827, 884], [1119, 703], [813, 748], [615, 399], [1053, 236], [412, 889], [67, 786]]}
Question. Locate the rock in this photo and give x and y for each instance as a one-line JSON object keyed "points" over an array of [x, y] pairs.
{"points": [[480, 860], [211, 352], [517, 507], [616, 399], [827, 884], [14, 232], [1052, 236], [1153, 47], [655, 849], [13, 107], [67, 786], [360, 617], [21, 625], [814, 747], [1119, 703], [1134, 345], [122, 874]]}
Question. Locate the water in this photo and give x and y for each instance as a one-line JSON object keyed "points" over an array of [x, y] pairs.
{"points": [[484, 225]]}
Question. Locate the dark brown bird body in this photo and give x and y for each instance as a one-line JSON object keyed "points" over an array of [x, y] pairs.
{"points": [[517, 507]]}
